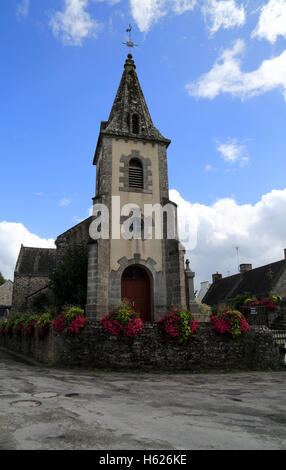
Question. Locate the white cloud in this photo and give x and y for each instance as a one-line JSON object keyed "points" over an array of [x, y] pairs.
{"points": [[272, 21], [181, 6], [74, 24], [12, 235], [147, 13], [23, 9], [64, 202], [222, 14], [226, 76], [233, 152], [258, 230]]}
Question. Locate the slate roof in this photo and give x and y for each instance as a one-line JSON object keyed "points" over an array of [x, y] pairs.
{"points": [[6, 291], [129, 100], [257, 281], [35, 261]]}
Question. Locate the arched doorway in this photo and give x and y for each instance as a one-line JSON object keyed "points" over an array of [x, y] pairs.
{"points": [[135, 287]]}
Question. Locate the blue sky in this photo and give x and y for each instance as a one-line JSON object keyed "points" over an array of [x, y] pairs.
{"points": [[214, 77]]}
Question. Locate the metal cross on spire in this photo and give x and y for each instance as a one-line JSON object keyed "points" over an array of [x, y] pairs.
{"points": [[130, 43]]}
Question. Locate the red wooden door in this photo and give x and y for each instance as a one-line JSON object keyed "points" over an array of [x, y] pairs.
{"points": [[135, 287]]}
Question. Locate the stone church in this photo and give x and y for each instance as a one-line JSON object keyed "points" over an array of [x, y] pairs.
{"points": [[131, 168]]}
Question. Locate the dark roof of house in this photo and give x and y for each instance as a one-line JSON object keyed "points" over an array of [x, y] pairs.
{"points": [[258, 281], [36, 261]]}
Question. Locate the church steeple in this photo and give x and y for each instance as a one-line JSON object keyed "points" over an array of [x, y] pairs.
{"points": [[130, 262], [129, 116]]}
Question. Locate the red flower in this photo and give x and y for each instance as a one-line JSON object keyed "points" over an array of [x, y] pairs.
{"points": [[111, 325]]}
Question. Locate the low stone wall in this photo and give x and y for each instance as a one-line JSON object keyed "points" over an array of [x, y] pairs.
{"points": [[206, 350]]}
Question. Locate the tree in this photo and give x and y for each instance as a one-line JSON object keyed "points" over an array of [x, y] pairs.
{"points": [[69, 277], [2, 279]]}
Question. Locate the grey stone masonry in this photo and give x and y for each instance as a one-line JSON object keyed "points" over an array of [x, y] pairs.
{"points": [[191, 302], [129, 102], [152, 351], [92, 279], [163, 172]]}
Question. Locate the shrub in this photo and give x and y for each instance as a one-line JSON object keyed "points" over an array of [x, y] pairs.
{"points": [[179, 323], [18, 325], [8, 330], [123, 320], [69, 277], [70, 322], [29, 325], [2, 326], [269, 302], [42, 325], [232, 322]]}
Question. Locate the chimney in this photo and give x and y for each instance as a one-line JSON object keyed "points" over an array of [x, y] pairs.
{"points": [[217, 277], [243, 268]]}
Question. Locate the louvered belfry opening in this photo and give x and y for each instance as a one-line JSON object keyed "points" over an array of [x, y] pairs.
{"points": [[135, 174]]}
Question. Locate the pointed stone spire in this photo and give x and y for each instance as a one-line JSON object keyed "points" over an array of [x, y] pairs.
{"points": [[129, 116]]}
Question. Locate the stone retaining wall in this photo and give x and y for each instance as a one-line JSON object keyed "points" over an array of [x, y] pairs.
{"points": [[206, 350]]}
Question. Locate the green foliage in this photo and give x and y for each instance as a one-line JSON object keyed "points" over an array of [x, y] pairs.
{"points": [[2, 324], [18, 322], [124, 312], [184, 326], [2, 279], [179, 324], [73, 312], [69, 278], [43, 320], [238, 300]]}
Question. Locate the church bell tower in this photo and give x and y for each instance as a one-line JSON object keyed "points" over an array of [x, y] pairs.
{"points": [[131, 172]]}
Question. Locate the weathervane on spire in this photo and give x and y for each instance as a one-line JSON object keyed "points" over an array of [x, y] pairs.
{"points": [[130, 43]]}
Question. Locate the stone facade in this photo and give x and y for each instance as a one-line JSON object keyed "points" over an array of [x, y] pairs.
{"points": [[206, 350]]}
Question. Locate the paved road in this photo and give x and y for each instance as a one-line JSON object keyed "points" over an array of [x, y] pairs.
{"points": [[44, 408]]}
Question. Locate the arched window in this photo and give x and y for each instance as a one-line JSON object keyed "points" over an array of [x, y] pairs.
{"points": [[135, 124], [135, 174]]}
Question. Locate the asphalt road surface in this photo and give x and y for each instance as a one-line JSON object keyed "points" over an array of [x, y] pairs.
{"points": [[45, 408]]}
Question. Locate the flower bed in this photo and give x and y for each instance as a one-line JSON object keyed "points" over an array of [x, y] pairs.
{"points": [[179, 324], [123, 321], [231, 322], [70, 322], [269, 302]]}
